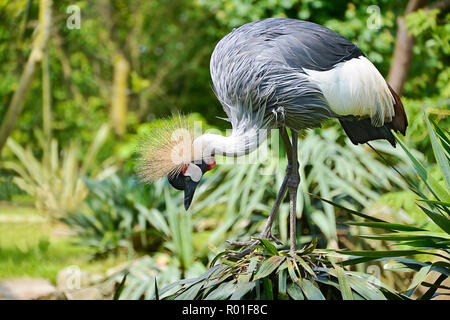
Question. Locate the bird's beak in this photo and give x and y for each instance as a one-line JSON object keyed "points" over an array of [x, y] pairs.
{"points": [[189, 193]]}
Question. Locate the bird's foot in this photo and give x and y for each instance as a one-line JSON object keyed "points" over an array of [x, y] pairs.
{"points": [[249, 248], [241, 254], [242, 243], [270, 236], [250, 244], [263, 235], [279, 114]]}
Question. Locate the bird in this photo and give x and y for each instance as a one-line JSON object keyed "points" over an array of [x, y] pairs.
{"points": [[277, 73]]}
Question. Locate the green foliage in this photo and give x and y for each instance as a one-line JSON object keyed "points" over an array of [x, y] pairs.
{"points": [[416, 135], [144, 275], [119, 214], [31, 247], [432, 46], [327, 168], [434, 202], [230, 201], [55, 183], [8, 189], [269, 273], [167, 46]]}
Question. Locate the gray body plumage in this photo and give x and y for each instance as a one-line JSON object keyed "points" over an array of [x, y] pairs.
{"points": [[279, 73], [286, 72], [258, 72]]}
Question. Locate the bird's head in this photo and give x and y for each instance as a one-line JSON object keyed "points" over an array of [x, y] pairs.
{"points": [[170, 150], [189, 177]]}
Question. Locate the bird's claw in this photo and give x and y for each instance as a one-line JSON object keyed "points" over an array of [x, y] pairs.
{"points": [[241, 254], [272, 237], [249, 244], [242, 243], [279, 112], [266, 236]]}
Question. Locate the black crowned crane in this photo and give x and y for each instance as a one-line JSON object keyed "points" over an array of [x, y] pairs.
{"points": [[278, 73]]}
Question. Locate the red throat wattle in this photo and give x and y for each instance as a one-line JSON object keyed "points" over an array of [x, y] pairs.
{"points": [[212, 164]]}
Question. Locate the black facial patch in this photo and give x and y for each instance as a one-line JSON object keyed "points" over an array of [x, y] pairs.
{"points": [[203, 166], [179, 181]]}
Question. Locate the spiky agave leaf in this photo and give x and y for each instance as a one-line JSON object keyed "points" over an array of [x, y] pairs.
{"points": [[166, 149]]}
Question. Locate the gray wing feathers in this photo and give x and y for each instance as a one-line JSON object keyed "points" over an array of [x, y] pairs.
{"points": [[302, 100], [256, 70], [308, 45]]}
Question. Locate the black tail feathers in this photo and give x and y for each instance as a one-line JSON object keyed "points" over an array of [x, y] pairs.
{"points": [[362, 131]]}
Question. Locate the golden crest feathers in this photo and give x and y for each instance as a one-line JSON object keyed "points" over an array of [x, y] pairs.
{"points": [[166, 149]]}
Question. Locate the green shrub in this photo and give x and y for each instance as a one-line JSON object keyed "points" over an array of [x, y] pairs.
{"points": [[55, 181], [119, 213]]}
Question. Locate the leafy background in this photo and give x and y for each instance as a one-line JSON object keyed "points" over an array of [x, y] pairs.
{"points": [[68, 188]]}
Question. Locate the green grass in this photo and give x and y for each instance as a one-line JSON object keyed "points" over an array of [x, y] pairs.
{"points": [[29, 247]]}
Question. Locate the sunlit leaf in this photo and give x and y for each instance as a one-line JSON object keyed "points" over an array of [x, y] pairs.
{"points": [[222, 292], [418, 278], [295, 292], [441, 159], [268, 266], [242, 289], [385, 225], [310, 290], [442, 221], [346, 291]]}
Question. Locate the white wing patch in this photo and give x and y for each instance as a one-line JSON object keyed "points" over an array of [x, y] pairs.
{"points": [[356, 87]]}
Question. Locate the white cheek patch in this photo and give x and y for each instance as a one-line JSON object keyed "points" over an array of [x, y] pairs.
{"points": [[194, 172]]}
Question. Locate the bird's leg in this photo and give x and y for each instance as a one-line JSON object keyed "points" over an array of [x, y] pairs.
{"points": [[293, 182], [266, 233]]}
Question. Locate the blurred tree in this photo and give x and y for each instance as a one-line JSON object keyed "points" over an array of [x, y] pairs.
{"points": [[130, 62], [39, 48], [167, 46], [404, 43]]}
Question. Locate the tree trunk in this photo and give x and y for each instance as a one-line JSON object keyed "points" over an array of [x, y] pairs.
{"points": [[18, 99], [403, 50], [119, 104]]}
